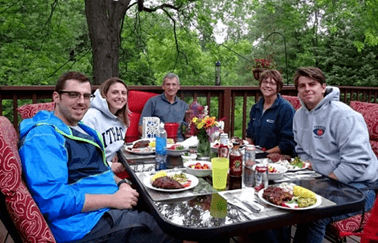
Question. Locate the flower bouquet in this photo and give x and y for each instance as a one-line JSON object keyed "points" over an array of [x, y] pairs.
{"points": [[203, 126]]}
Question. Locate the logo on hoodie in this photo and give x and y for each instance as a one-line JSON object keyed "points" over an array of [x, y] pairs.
{"points": [[319, 131], [112, 135]]}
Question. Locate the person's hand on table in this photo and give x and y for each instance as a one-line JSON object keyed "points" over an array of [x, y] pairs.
{"points": [[309, 165], [333, 176], [126, 197], [249, 140], [117, 167]]}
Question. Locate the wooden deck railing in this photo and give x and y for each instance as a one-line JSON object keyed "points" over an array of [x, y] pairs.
{"points": [[229, 99]]}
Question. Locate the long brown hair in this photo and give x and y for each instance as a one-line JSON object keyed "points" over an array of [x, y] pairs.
{"points": [[124, 113]]}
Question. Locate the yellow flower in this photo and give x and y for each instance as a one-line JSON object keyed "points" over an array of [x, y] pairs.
{"points": [[200, 125], [195, 119]]}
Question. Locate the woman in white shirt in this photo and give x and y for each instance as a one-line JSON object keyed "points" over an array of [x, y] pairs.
{"points": [[109, 115]]}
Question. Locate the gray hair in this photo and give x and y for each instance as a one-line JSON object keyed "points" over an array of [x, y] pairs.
{"points": [[171, 76]]}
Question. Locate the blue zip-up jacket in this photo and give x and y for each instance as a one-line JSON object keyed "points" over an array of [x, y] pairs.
{"points": [[274, 127], [60, 166]]}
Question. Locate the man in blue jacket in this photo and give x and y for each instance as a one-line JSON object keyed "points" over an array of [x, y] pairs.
{"points": [[334, 139], [65, 168]]}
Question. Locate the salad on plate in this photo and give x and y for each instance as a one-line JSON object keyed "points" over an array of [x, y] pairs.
{"points": [[294, 165]]}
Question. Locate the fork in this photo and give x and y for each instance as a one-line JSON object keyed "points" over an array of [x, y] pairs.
{"points": [[260, 202], [245, 203]]}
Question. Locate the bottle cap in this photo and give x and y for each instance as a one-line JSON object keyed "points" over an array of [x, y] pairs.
{"points": [[236, 145], [250, 147]]}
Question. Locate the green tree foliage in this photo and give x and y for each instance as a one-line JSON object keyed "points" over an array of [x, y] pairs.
{"points": [[155, 48], [359, 16], [345, 65], [41, 39]]}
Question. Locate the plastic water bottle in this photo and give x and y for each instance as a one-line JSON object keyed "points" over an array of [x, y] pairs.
{"points": [[161, 149]]}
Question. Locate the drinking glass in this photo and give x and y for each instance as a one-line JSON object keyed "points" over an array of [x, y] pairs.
{"points": [[219, 172]]}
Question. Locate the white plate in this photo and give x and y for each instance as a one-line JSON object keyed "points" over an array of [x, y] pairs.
{"points": [[293, 169], [193, 179], [303, 168], [175, 152], [144, 139], [141, 151], [318, 202], [298, 169]]}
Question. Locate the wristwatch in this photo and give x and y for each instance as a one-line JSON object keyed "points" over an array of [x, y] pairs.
{"points": [[127, 181]]}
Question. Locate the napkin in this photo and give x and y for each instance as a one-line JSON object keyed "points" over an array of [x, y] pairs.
{"points": [[189, 142], [246, 194]]}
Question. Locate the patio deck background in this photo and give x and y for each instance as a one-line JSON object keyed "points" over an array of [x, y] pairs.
{"points": [[225, 98]]}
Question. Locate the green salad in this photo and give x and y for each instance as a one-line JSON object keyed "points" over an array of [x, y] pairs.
{"points": [[297, 162]]}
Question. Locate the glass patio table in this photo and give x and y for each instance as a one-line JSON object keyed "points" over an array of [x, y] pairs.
{"points": [[207, 215]]}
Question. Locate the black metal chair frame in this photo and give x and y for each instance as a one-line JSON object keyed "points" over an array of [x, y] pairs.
{"points": [[7, 221]]}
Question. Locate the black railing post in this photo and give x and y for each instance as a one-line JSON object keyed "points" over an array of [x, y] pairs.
{"points": [[275, 32]]}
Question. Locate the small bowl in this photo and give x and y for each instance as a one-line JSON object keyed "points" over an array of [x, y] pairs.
{"points": [[189, 157], [281, 170], [198, 172]]}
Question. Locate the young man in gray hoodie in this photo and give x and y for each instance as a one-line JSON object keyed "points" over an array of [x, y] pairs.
{"points": [[335, 140]]}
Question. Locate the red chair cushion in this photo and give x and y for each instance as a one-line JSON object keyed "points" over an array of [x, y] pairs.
{"points": [[28, 111], [351, 224], [22, 208], [374, 147], [370, 233], [370, 113], [132, 130], [294, 100], [136, 101]]}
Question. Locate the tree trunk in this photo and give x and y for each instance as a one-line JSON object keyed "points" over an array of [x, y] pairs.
{"points": [[104, 22]]}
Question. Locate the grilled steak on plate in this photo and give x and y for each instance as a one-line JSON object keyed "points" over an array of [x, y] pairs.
{"points": [[277, 195], [141, 144], [167, 182]]}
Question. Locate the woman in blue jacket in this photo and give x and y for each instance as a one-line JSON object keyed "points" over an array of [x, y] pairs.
{"points": [[271, 118]]}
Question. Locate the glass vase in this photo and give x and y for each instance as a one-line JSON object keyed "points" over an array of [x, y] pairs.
{"points": [[203, 148]]}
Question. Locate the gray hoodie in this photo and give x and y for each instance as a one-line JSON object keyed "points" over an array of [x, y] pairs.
{"points": [[108, 125], [335, 139]]}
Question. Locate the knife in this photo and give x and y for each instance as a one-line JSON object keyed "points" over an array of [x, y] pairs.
{"points": [[245, 203]]}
